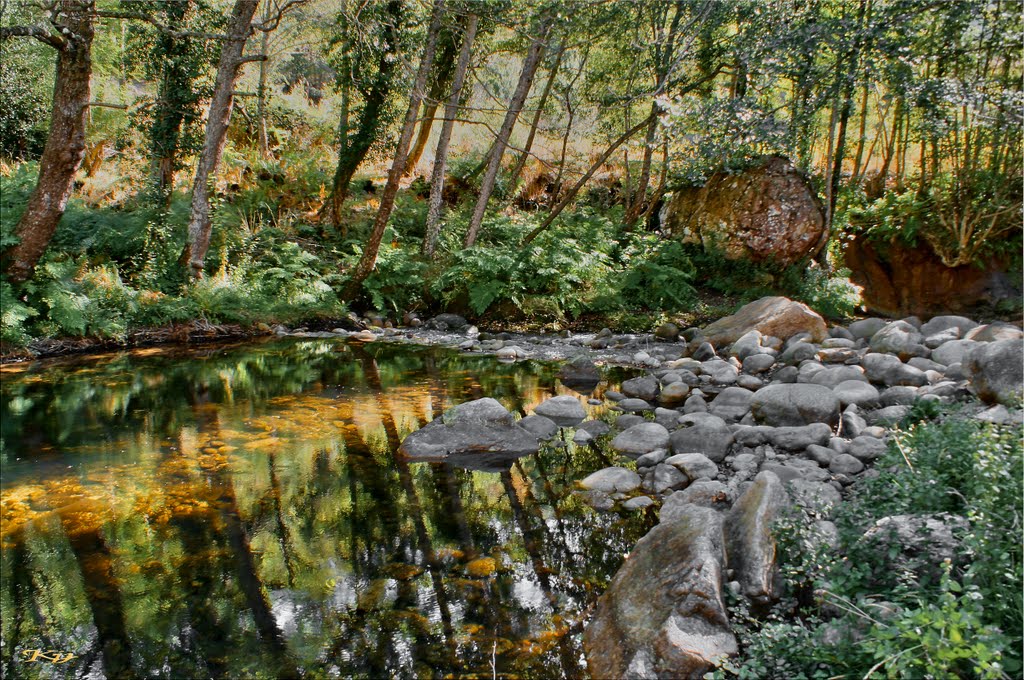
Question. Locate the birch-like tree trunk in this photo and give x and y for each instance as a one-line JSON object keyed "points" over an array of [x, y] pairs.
{"points": [[533, 56], [517, 171], [441, 154], [239, 29]]}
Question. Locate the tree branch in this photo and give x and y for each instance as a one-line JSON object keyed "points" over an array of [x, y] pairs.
{"points": [[272, 23], [38, 32]]}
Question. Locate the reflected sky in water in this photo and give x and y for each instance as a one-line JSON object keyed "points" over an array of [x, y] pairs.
{"points": [[238, 512]]}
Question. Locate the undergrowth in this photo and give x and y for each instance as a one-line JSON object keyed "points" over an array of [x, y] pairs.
{"points": [[875, 605]]}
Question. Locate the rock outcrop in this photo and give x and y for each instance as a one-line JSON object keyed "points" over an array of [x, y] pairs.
{"points": [[767, 212], [899, 280]]}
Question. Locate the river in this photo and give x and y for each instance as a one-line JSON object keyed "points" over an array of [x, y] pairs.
{"points": [[239, 511]]}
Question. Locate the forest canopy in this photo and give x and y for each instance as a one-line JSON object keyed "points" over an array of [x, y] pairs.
{"points": [[265, 161]]}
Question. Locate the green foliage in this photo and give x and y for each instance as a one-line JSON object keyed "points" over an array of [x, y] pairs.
{"points": [[13, 315], [567, 270], [660, 279], [868, 607], [396, 283], [23, 108]]}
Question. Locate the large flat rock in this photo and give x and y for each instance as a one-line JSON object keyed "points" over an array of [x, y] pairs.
{"points": [[663, 614], [779, 317]]}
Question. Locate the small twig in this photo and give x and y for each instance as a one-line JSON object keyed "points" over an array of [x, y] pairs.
{"points": [[903, 453]]}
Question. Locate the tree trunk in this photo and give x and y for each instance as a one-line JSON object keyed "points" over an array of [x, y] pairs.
{"points": [[353, 149], [533, 56], [422, 136], [261, 95], [442, 77], [861, 133], [65, 145], [441, 154], [637, 206], [221, 104], [387, 199], [521, 163]]}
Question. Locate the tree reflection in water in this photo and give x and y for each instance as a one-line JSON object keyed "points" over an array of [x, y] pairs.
{"points": [[239, 512]]}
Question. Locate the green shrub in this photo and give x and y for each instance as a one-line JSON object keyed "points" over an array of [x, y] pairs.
{"points": [[859, 609], [660, 278]]}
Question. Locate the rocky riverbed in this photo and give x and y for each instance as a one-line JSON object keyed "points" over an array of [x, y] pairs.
{"points": [[765, 411]]}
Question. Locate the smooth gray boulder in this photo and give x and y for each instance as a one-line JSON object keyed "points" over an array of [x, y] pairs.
{"points": [[897, 337], [565, 411], [641, 439], [845, 464], [858, 392], [632, 405], [795, 404], [694, 465], [662, 478], [612, 480], [706, 493], [758, 363], [833, 375], [595, 427], [710, 437], [480, 434], [993, 332], [996, 371], [800, 437], [645, 387], [674, 393], [937, 324], [731, 404], [865, 328], [797, 352], [749, 541], [953, 352], [720, 372], [544, 428], [663, 615], [748, 344], [628, 420], [866, 448], [887, 369]]}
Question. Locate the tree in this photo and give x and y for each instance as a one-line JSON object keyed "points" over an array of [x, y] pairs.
{"points": [[387, 200], [369, 46], [178, 60], [70, 33], [451, 108], [200, 226], [533, 57]]}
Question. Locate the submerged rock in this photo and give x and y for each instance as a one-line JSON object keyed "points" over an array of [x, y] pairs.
{"points": [[663, 614]]}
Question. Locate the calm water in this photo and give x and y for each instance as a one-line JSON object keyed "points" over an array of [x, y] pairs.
{"points": [[238, 512]]}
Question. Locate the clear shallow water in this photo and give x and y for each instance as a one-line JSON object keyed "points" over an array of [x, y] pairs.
{"points": [[238, 512]]}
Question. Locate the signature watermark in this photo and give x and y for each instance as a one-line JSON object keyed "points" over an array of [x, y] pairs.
{"points": [[52, 655]]}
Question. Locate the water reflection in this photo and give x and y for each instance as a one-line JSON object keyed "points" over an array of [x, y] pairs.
{"points": [[239, 512]]}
